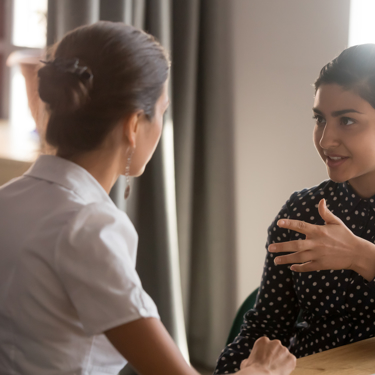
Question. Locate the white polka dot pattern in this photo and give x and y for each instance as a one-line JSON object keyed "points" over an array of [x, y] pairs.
{"points": [[336, 307]]}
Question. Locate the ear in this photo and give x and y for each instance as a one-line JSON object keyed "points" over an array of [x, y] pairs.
{"points": [[131, 127]]}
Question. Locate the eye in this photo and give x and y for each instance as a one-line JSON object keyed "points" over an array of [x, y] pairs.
{"points": [[319, 120], [347, 121]]}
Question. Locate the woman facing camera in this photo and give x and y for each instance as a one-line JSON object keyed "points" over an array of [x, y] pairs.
{"points": [[329, 229], [71, 301]]}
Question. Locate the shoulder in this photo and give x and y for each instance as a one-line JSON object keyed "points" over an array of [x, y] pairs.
{"points": [[312, 195], [303, 204], [99, 226], [99, 214]]}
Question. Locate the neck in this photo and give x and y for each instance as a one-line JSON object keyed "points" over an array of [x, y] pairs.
{"points": [[364, 185], [102, 164]]}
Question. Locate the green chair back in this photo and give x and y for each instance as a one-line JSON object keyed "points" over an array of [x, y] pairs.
{"points": [[248, 304], [238, 320]]}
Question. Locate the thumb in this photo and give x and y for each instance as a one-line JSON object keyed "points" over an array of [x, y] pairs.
{"points": [[326, 214]]}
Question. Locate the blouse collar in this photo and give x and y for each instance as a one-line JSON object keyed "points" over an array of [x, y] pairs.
{"points": [[349, 199], [69, 175]]}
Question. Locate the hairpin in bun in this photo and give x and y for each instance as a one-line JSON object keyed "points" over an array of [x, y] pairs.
{"points": [[70, 66]]}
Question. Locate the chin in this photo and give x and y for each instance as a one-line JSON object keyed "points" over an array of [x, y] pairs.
{"points": [[337, 179]]}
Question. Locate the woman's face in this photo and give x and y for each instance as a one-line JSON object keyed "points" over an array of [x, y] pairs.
{"points": [[148, 135], [344, 136]]}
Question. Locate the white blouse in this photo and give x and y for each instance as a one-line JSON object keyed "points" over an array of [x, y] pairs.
{"points": [[67, 273]]}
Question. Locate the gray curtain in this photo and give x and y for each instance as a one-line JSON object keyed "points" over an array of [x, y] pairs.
{"points": [[183, 205], [203, 124]]}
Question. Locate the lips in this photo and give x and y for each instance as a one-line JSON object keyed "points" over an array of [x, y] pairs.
{"points": [[335, 157], [335, 160]]}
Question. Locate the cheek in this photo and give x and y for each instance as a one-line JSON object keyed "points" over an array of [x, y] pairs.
{"points": [[158, 129], [360, 141], [363, 148], [153, 137]]}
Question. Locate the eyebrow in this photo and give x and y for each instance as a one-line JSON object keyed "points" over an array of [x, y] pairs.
{"points": [[338, 113]]}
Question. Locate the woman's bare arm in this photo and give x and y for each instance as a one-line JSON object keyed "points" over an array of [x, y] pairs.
{"points": [[148, 347]]}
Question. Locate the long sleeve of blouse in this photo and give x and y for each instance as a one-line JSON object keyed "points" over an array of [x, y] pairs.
{"points": [[337, 307], [276, 307]]}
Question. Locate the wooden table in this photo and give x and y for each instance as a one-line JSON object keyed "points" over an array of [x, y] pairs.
{"points": [[352, 359]]}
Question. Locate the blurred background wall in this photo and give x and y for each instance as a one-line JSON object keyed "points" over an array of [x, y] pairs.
{"points": [[278, 50]]}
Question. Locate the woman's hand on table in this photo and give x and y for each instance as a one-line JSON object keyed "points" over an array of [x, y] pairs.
{"points": [[332, 246], [268, 357], [146, 344]]}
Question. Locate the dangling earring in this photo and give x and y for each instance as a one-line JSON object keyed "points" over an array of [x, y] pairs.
{"points": [[127, 171]]}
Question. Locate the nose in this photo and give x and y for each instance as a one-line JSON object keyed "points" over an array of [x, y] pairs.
{"points": [[329, 137]]}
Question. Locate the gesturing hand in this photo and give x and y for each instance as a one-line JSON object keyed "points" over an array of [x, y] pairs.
{"points": [[268, 357], [327, 247]]}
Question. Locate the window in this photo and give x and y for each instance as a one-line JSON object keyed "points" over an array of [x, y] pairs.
{"points": [[24, 30], [29, 23], [361, 25]]}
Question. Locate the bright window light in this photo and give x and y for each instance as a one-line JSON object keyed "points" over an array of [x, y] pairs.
{"points": [[20, 115], [29, 34], [29, 23], [361, 24]]}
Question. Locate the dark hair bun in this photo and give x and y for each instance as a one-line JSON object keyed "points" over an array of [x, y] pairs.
{"points": [[98, 75], [63, 90]]}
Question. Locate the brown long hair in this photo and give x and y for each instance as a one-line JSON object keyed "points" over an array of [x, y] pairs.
{"points": [[97, 75]]}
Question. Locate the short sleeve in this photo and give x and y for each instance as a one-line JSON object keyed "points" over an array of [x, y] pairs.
{"points": [[95, 261]]}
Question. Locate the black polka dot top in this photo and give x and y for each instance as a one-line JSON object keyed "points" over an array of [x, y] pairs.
{"points": [[335, 307]]}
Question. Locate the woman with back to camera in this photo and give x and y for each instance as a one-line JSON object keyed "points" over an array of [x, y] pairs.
{"points": [[329, 229], [71, 301]]}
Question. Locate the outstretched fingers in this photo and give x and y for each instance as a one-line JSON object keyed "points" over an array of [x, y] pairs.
{"points": [[298, 257], [297, 226], [306, 267], [290, 246]]}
